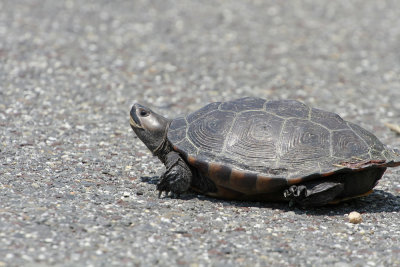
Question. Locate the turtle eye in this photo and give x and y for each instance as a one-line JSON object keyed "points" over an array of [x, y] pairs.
{"points": [[143, 113]]}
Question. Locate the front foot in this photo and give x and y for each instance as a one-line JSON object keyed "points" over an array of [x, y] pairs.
{"points": [[177, 177]]}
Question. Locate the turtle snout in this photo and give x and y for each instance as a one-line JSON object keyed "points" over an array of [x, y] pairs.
{"points": [[134, 119], [133, 111]]}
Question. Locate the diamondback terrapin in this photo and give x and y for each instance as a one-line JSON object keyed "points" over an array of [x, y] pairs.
{"points": [[255, 149]]}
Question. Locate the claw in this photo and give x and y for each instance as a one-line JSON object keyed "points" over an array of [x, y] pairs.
{"points": [[175, 179]]}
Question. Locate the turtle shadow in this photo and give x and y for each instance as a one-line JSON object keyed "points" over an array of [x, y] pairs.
{"points": [[377, 202]]}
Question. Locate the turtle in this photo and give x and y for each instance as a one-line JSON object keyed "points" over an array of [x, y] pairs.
{"points": [[264, 150]]}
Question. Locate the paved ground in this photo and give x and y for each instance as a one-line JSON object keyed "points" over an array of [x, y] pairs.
{"points": [[76, 187]]}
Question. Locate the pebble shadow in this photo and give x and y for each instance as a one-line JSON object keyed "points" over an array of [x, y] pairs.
{"points": [[150, 180]]}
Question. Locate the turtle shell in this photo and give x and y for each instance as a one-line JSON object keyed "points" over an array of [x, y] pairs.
{"points": [[256, 146]]}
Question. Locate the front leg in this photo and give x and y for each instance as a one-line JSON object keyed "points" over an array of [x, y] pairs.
{"points": [[178, 176]]}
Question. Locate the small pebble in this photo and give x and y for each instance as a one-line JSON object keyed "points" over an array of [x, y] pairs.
{"points": [[355, 217]]}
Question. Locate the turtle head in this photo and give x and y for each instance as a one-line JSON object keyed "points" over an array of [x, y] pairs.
{"points": [[150, 127]]}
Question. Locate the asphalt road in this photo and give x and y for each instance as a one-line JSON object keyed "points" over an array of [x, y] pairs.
{"points": [[78, 189]]}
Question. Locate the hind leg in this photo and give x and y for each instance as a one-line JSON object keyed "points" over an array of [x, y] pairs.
{"points": [[313, 194]]}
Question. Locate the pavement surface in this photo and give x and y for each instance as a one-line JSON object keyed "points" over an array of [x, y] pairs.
{"points": [[78, 189]]}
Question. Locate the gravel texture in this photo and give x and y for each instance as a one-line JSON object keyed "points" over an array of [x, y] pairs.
{"points": [[78, 189]]}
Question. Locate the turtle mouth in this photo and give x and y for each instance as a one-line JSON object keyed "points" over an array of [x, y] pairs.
{"points": [[133, 123], [134, 120]]}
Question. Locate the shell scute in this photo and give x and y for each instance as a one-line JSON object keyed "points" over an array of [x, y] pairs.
{"points": [[201, 113], [177, 123], [330, 120], [346, 144], [209, 133], [244, 182], [267, 184], [176, 136], [371, 140], [253, 138], [220, 174], [287, 108], [185, 147], [303, 145], [242, 104]]}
